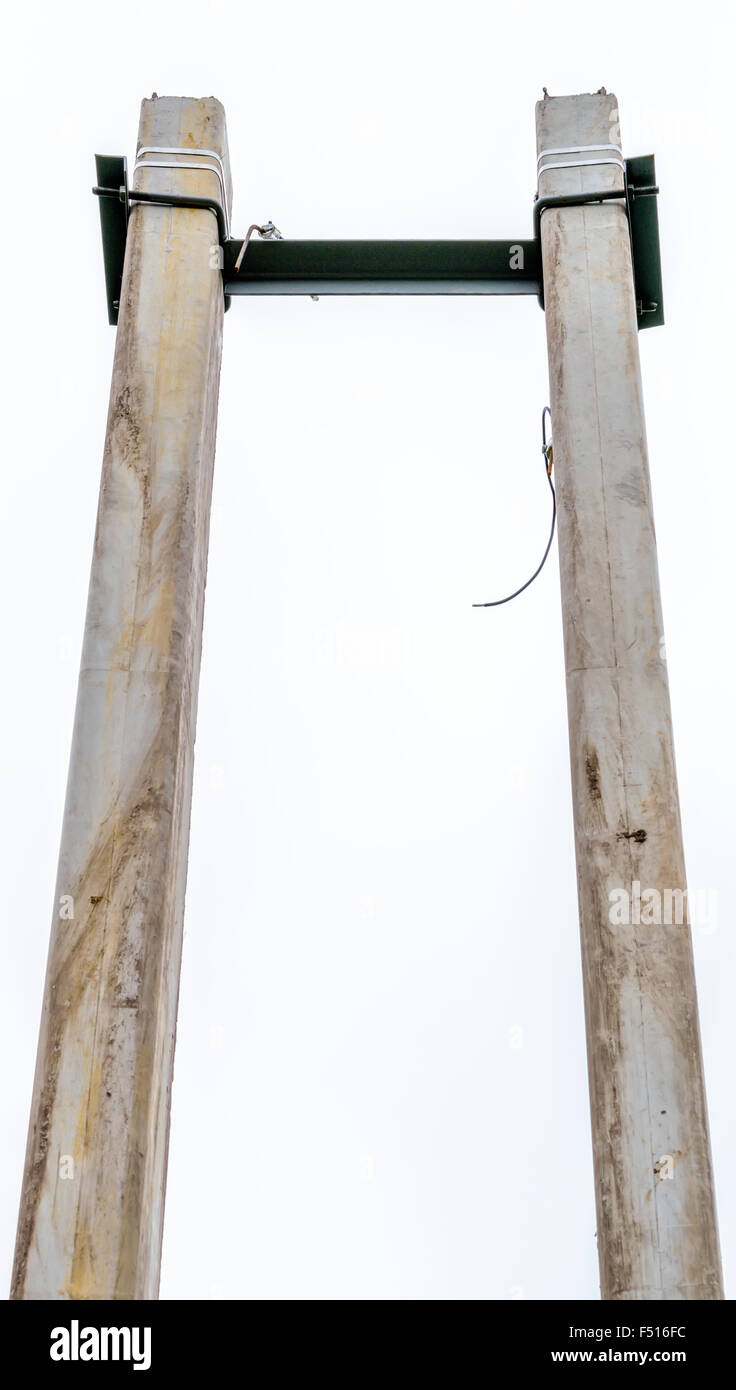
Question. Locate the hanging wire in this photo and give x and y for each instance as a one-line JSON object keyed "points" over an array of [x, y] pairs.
{"points": [[547, 453]]}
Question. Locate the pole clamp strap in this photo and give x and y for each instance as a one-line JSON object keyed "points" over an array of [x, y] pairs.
{"points": [[605, 154], [217, 168]]}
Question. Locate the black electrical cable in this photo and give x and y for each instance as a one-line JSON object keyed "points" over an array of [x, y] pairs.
{"points": [[547, 452]]}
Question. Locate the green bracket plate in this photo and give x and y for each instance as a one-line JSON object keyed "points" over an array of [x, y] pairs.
{"points": [[644, 223], [112, 172]]}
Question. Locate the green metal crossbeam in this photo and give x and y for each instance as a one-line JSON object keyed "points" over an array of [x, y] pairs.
{"points": [[383, 267]]}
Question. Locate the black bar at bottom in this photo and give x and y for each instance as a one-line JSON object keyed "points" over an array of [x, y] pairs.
{"points": [[60, 1338]]}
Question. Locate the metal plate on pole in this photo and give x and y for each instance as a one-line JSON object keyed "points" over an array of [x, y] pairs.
{"points": [[644, 221], [112, 172]]}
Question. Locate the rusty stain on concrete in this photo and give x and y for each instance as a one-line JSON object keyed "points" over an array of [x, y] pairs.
{"points": [[105, 1057], [656, 1239]]}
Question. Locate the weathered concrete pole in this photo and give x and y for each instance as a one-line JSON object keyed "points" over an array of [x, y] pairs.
{"points": [[92, 1204], [657, 1236]]}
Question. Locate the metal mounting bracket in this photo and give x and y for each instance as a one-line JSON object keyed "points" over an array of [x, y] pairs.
{"points": [[639, 196], [383, 267]]}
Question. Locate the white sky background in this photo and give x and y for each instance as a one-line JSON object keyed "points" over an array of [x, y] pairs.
{"points": [[381, 877]]}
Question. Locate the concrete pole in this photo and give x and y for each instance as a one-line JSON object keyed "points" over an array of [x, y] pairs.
{"points": [[92, 1204], [657, 1236]]}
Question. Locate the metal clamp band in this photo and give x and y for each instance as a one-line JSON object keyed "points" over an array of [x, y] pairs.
{"points": [[173, 149], [574, 200], [582, 164], [580, 149], [216, 169]]}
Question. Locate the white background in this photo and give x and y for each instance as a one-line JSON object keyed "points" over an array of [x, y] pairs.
{"points": [[381, 879]]}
